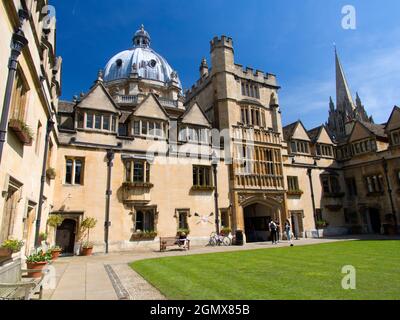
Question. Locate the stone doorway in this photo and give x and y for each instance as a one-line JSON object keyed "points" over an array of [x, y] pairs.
{"points": [[257, 217], [65, 236]]}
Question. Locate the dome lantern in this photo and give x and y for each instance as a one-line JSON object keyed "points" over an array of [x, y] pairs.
{"points": [[141, 38]]}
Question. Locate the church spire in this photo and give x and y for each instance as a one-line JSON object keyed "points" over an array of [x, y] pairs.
{"points": [[344, 101]]}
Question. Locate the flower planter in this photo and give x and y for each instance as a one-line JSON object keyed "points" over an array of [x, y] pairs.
{"points": [[39, 266], [55, 254], [19, 128], [6, 253], [86, 252]]}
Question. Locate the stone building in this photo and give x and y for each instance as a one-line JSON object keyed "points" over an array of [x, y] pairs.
{"points": [[29, 91], [137, 154]]}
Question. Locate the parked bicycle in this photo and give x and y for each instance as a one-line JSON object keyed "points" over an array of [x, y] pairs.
{"points": [[218, 240]]}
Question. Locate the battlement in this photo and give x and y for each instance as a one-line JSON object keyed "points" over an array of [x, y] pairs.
{"points": [[223, 41], [250, 74], [199, 84]]}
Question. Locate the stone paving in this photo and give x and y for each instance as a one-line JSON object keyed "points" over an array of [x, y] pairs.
{"points": [[108, 277]]}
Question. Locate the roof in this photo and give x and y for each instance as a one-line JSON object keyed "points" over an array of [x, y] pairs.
{"points": [[289, 130], [314, 133], [66, 106], [376, 129]]}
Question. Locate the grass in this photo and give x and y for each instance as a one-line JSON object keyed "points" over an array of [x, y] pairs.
{"points": [[301, 273]]}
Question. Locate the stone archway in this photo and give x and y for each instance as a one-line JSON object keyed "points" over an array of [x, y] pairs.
{"points": [[257, 213]]}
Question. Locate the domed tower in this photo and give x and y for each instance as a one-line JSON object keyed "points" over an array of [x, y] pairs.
{"points": [[139, 71]]}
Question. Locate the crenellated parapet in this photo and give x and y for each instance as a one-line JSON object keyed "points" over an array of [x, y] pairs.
{"points": [[221, 42], [259, 76]]}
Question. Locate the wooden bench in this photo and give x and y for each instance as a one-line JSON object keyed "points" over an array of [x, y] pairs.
{"points": [[19, 286], [173, 241]]}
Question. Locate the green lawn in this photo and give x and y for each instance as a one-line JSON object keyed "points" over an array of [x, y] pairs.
{"points": [[308, 272]]}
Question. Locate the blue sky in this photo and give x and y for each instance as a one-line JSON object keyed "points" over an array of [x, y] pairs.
{"points": [[290, 38]]}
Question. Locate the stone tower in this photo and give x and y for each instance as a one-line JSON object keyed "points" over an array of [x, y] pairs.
{"points": [[346, 110]]}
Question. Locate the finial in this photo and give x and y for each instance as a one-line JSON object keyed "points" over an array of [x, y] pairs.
{"points": [[100, 75], [142, 27]]}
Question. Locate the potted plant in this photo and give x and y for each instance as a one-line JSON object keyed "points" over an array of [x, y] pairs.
{"points": [[51, 173], [36, 262], [226, 231], [9, 247], [43, 236], [322, 224], [54, 221], [86, 225], [55, 252], [181, 231]]}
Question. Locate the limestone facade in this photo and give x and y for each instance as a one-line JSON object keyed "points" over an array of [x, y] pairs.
{"points": [[138, 154]]}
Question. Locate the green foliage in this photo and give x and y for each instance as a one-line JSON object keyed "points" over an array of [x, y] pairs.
{"points": [[51, 173], [322, 224], [185, 231], [14, 245], [86, 225], [43, 236], [226, 231], [87, 245], [55, 220], [39, 256], [24, 128]]}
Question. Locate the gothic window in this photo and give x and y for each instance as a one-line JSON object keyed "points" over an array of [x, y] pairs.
{"points": [[202, 176], [74, 171], [250, 89], [137, 171], [330, 184], [144, 221], [19, 97], [293, 183], [374, 184]]}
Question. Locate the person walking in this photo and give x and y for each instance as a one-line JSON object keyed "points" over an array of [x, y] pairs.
{"points": [[288, 231], [278, 231], [273, 228]]}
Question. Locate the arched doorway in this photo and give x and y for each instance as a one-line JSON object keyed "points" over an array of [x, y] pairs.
{"points": [[257, 217], [65, 237]]}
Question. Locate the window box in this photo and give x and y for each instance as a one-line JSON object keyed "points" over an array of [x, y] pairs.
{"points": [[22, 131], [134, 185], [295, 193], [51, 173], [144, 236], [203, 188], [334, 195], [322, 224]]}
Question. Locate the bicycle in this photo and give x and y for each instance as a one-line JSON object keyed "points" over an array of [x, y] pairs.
{"points": [[218, 240]]}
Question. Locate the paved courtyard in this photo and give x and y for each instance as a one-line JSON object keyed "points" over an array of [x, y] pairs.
{"points": [[108, 277]]}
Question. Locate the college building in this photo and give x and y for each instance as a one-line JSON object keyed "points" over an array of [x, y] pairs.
{"points": [[146, 158]]}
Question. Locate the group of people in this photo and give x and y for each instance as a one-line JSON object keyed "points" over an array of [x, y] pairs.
{"points": [[274, 228]]}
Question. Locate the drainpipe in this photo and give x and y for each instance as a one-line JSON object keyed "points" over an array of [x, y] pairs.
{"points": [[309, 173], [18, 42], [107, 223], [390, 191], [49, 129], [216, 195]]}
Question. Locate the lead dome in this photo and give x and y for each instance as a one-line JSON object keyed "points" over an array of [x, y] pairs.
{"points": [[140, 59]]}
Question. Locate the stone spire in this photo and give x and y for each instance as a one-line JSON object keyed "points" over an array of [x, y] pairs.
{"points": [[344, 101], [331, 105]]}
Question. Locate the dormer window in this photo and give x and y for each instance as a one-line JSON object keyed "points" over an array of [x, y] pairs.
{"points": [[150, 128], [324, 150], [395, 138], [297, 146], [119, 63], [193, 134], [96, 121]]}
